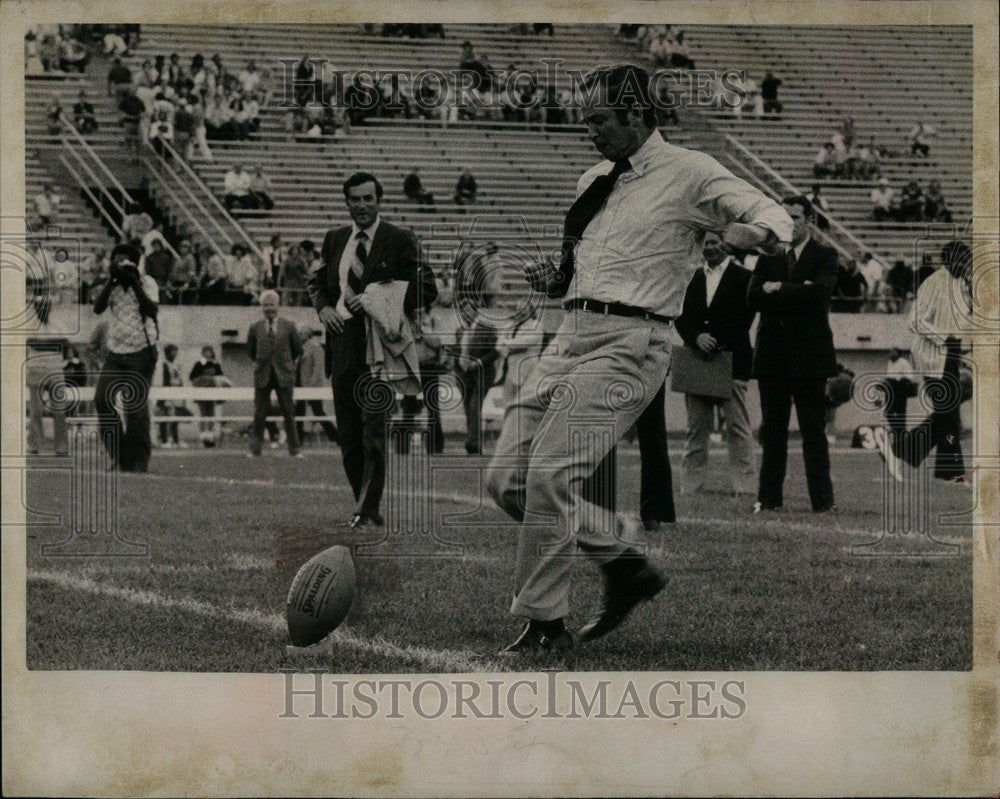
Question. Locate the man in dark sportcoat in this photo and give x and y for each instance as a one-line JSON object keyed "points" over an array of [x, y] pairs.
{"points": [[715, 318], [366, 251], [794, 356], [274, 347]]}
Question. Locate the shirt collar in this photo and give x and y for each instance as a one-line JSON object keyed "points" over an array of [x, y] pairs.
{"points": [[719, 267], [369, 231], [799, 248], [643, 157]]}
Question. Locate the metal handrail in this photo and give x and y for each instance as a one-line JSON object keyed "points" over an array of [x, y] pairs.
{"points": [[85, 188], [251, 244], [746, 151], [821, 234], [99, 161], [192, 218]]}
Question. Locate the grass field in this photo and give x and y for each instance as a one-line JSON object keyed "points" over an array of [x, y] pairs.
{"points": [[780, 591]]}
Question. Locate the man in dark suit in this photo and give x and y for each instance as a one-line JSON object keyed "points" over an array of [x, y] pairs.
{"points": [[366, 251], [274, 347], [715, 318], [794, 356]]}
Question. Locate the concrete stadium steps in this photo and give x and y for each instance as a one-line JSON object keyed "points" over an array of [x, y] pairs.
{"points": [[350, 47], [76, 221], [886, 78]]}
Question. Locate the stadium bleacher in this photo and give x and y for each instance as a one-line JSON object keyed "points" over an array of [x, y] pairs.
{"points": [[526, 174]]}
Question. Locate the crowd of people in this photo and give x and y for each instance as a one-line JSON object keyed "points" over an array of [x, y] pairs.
{"points": [[166, 102], [912, 203]]}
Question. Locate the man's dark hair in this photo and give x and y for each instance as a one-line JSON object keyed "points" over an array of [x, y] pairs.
{"points": [[627, 87], [808, 209], [359, 178], [130, 251]]}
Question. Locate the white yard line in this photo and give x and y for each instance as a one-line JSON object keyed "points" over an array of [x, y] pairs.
{"points": [[767, 521], [433, 659]]}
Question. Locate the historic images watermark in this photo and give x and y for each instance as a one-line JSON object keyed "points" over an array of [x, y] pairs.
{"points": [[316, 694], [313, 80]]}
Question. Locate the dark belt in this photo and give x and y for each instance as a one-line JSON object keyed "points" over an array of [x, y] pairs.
{"points": [[615, 309]]}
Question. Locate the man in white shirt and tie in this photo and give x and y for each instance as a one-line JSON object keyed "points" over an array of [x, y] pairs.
{"points": [[630, 247], [366, 251]]}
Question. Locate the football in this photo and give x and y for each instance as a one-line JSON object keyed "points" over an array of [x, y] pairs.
{"points": [[320, 596]]}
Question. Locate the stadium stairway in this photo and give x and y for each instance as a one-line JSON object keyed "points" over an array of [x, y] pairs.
{"points": [[76, 220]]}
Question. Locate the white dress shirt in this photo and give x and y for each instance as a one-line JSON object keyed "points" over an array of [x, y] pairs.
{"points": [[713, 276], [348, 257], [641, 248]]}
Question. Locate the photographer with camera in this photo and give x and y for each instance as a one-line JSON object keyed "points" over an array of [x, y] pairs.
{"points": [[128, 368]]}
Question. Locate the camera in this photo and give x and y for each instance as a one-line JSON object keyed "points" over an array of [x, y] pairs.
{"points": [[123, 272]]}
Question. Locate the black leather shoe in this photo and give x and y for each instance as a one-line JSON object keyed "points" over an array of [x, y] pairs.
{"points": [[358, 521], [532, 641], [629, 580]]}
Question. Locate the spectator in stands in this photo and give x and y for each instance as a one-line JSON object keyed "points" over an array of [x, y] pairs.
{"points": [[173, 73], [662, 49], [882, 197], [935, 206], [73, 55], [84, 118], [155, 233], [48, 52], [826, 164], [161, 134], [54, 115], [185, 130], [911, 203], [213, 276], [236, 187], [873, 273], [769, 93], [413, 189], [249, 77], [115, 44], [47, 204], [538, 27], [920, 137], [159, 263], [243, 277], [119, 80], [32, 60], [206, 373], [93, 272], [680, 57], [186, 276], [260, 190], [133, 112], [274, 258], [851, 290], [162, 107], [293, 275], [900, 283], [305, 81], [465, 188], [816, 197], [469, 62]]}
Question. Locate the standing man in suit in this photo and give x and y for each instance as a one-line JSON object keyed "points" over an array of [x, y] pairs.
{"points": [[628, 250], [715, 318], [794, 357], [366, 251], [274, 347]]}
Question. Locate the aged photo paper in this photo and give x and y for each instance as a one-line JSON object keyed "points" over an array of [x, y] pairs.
{"points": [[397, 399]]}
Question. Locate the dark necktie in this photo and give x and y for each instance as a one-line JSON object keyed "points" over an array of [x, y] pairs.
{"points": [[578, 217], [356, 271], [790, 261]]}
